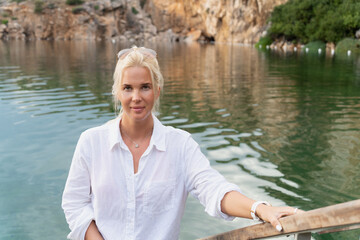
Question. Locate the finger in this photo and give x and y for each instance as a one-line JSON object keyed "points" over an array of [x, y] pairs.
{"points": [[297, 210], [276, 224], [292, 210], [287, 211]]}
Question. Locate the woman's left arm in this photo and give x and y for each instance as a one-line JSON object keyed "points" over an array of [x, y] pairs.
{"points": [[238, 205]]}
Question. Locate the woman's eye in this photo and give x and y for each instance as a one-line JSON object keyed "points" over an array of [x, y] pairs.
{"points": [[127, 88], [146, 87]]}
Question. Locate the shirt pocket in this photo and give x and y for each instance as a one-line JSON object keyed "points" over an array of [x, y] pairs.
{"points": [[160, 196]]}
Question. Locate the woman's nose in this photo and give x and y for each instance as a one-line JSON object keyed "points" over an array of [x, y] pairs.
{"points": [[136, 96]]}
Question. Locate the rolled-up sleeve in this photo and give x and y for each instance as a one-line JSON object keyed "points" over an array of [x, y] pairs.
{"points": [[204, 182], [76, 200]]}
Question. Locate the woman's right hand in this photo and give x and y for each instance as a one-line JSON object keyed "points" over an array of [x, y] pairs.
{"points": [[273, 214]]}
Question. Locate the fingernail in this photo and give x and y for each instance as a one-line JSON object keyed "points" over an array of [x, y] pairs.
{"points": [[279, 228]]}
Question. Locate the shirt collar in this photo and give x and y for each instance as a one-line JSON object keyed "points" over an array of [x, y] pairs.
{"points": [[157, 138], [114, 132]]}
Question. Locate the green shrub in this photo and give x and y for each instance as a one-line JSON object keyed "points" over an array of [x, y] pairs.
{"points": [[74, 2], [5, 15], [309, 20], [96, 7], [77, 10], [348, 44], [264, 41], [314, 46], [4, 21], [38, 6], [134, 10]]}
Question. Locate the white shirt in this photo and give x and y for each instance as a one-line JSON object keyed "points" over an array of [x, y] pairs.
{"points": [[102, 186]]}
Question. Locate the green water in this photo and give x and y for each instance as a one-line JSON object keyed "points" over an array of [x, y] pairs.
{"points": [[284, 127]]}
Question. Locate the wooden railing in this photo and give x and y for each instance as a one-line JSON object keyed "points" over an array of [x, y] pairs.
{"points": [[340, 217]]}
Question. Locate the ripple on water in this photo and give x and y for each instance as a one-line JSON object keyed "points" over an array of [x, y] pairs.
{"points": [[31, 94], [227, 153]]}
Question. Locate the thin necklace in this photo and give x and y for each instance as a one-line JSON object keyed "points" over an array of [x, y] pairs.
{"points": [[136, 144]]}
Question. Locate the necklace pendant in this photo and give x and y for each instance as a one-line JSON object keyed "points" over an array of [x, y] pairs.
{"points": [[136, 145]]}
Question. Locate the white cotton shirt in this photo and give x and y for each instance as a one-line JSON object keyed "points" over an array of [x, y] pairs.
{"points": [[102, 186]]}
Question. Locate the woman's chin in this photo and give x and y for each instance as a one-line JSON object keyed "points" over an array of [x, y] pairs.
{"points": [[138, 116]]}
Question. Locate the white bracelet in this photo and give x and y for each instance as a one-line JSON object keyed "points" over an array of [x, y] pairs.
{"points": [[253, 209]]}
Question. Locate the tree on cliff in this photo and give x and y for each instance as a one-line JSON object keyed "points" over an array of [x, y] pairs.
{"points": [[308, 20]]}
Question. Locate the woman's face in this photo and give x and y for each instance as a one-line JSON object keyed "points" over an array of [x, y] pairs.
{"points": [[137, 95]]}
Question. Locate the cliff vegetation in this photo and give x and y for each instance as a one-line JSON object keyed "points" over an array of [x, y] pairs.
{"points": [[314, 23], [307, 20]]}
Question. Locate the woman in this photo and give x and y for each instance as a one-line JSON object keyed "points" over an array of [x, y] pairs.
{"points": [[130, 178]]}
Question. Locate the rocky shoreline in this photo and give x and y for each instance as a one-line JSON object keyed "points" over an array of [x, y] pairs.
{"points": [[293, 47], [237, 21]]}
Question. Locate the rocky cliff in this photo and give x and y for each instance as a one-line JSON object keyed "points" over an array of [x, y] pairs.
{"points": [[240, 21]]}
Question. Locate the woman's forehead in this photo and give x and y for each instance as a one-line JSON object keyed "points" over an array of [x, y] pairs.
{"points": [[133, 75]]}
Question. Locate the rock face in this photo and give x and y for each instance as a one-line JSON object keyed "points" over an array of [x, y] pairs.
{"points": [[240, 21], [92, 20]]}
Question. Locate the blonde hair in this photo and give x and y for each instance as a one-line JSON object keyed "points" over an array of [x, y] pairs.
{"points": [[137, 57]]}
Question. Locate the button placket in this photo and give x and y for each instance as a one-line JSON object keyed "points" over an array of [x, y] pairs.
{"points": [[142, 160], [130, 205]]}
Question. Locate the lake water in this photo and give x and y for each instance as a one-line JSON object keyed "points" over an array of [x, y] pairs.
{"points": [[284, 127]]}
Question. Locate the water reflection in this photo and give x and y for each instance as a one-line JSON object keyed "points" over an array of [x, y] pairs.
{"points": [[284, 128]]}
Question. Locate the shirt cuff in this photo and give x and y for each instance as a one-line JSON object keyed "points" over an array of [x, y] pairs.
{"points": [[221, 196], [80, 227]]}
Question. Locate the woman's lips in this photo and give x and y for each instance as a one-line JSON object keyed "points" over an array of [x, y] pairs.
{"points": [[137, 109]]}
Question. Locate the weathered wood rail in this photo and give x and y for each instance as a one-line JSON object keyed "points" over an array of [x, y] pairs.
{"points": [[339, 217]]}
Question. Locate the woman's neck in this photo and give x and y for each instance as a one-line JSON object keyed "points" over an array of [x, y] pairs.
{"points": [[136, 129]]}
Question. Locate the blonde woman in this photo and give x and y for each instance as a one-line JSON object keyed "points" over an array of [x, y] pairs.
{"points": [[130, 178]]}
